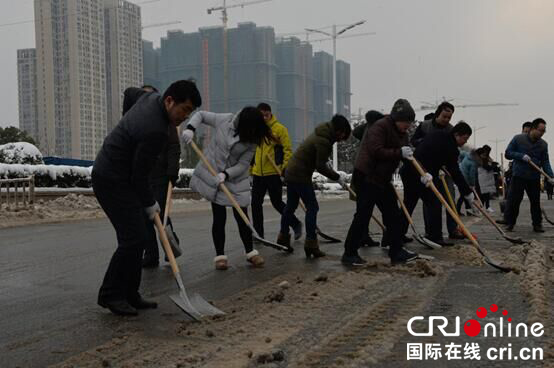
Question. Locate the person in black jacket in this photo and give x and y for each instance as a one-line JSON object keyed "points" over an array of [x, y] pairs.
{"points": [[120, 179], [164, 171], [438, 149]]}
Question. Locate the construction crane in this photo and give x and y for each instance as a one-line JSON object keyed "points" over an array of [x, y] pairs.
{"points": [[433, 106], [225, 19], [161, 24]]}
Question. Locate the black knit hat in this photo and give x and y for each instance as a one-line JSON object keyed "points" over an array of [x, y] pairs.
{"points": [[372, 116], [402, 111]]}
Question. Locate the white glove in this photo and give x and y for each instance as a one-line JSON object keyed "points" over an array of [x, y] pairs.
{"points": [[407, 152], [470, 197], [152, 210], [187, 136], [427, 179], [342, 178], [220, 178], [526, 158]]}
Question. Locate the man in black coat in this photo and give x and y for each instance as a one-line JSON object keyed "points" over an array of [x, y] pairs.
{"points": [[438, 149], [164, 171], [120, 179]]}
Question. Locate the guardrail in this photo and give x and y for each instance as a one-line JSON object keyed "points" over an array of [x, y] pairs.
{"points": [[10, 192]]}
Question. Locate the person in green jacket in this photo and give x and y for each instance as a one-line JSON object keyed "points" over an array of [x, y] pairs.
{"points": [[266, 174], [312, 155]]}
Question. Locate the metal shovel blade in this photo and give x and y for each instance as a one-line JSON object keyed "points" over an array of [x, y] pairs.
{"points": [[204, 307], [497, 265], [271, 244], [184, 303], [515, 240], [428, 243], [327, 237]]}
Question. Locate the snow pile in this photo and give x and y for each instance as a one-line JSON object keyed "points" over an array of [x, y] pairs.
{"points": [[53, 171], [20, 153]]}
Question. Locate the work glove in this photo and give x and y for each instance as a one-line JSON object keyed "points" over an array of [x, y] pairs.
{"points": [[220, 178], [407, 152], [526, 158], [426, 179], [187, 136], [442, 173], [152, 210]]}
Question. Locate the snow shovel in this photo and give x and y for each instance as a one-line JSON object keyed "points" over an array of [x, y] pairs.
{"points": [[318, 231], [547, 177], [237, 206], [196, 306], [171, 236], [465, 231], [353, 194], [428, 243], [481, 209]]}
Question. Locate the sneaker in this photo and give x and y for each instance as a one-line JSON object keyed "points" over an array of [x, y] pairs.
{"points": [[443, 242], [490, 210], [510, 227], [368, 242], [403, 257], [354, 260], [502, 221], [538, 229], [410, 252], [297, 231]]}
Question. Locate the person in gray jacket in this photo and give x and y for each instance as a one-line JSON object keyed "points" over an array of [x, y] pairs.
{"points": [[230, 150]]}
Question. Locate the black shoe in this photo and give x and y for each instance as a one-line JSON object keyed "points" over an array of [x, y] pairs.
{"points": [[510, 228], [140, 303], [410, 252], [148, 262], [502, 222], [119, 307], [354, 260], [403, 257], [538, 229], [456, 236], [407, 239], [368, 242], [443, 242]]}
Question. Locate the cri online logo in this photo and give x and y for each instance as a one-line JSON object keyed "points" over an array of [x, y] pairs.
{"points": [[472, 327]]}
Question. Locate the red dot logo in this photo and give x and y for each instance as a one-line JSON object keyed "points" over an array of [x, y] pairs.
{"points": [[481, 312], [494, 308], [509, 320], [505, 312], [472, 328]]}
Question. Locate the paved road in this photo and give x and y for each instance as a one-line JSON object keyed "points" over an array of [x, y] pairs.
{"points": [[49, 276]]}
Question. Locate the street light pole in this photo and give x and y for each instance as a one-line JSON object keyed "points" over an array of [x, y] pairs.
{"points": [[475, 129], [496, 141]]}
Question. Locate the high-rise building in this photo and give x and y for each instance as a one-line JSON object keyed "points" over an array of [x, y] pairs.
{"points": [[343, 88], [151, 62], [27, 91], [124, 58], [295, 87], [323, 86], [71, 77]]}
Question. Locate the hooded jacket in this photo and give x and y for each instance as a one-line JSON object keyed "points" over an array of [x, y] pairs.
{"points": [[313, 155], [469, 167], [226, 153], [380, 151], [262, 166]]}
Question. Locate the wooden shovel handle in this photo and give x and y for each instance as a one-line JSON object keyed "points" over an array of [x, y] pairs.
{"points": [[222, 185], [165, 244], [447, 191], [456, 218], [404, 209], [536, 167]]}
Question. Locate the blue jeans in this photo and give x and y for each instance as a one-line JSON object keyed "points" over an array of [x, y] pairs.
{"points": [[295, 192]]}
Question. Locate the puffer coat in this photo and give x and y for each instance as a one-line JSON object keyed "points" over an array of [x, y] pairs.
{"points": [[225, 153]]}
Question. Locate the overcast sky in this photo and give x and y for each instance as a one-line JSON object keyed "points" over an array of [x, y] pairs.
{"points": [[473, 51]]}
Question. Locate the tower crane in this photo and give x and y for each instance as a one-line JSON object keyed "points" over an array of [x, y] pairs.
{"points": [[225, 19], [161, 24]]}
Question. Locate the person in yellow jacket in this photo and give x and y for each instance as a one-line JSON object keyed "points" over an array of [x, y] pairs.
{"points": [[265, 176]]}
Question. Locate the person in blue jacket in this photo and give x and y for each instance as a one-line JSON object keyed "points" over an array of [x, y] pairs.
{"points": [[523, 149]]}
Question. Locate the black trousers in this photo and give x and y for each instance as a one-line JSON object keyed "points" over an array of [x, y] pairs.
{"points": [[413, 191], [260, 186], [369, 196], [159, 189], [517, 187], [122, 278], [218, 229]]}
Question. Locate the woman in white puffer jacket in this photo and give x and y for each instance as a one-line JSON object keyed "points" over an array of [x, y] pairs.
{"points": [[232, 145]]}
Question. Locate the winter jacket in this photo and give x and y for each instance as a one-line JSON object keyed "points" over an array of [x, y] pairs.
{"points": [[167, 164], [487, 183], [226, 153], [380, 152], [313, 155], [279, 149], [468, 167], [522, 145], [130, 151], [439, 149], [425, 128]]}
